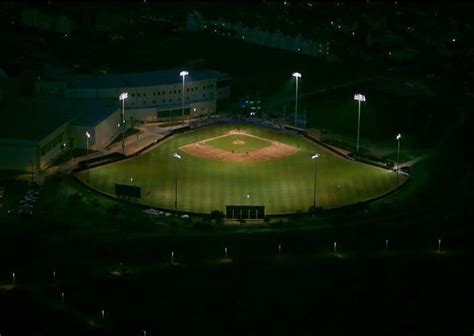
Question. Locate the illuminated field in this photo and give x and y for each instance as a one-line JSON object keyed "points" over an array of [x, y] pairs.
{"points": [[275, 169]]}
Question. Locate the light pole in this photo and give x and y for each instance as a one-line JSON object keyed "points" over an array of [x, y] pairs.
{"points": [[122, 97], [315, 157], [88, 135], [399, 136], [176, 158], [360, 98], [297, 75], [183, 74]]}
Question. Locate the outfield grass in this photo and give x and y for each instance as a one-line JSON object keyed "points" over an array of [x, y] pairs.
{"points": [[282, 185]]}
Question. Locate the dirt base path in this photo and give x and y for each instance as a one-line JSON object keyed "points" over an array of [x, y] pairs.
{"points": [[276, 150]]}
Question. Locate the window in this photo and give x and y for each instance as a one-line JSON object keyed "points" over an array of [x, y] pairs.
{"points": [[187, 90], [174, 92], [138, 94], [144, 94], [171, 91], [153, 93], [164, 101], [159, 93], [133, 94]]}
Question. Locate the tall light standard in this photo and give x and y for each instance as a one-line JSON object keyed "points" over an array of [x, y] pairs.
{"points": [[176, 157], [297, 75], [183, 74], [360, 98], [399, 136], [315, 157], [122, 97], [88, 136]]}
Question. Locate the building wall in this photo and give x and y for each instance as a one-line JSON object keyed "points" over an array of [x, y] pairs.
{"points": [[102, 134], [108, 130], [146, 96], [50, 146], [78, 136]]}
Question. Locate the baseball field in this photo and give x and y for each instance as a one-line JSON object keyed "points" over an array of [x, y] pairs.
{"points": [[242, 164]]}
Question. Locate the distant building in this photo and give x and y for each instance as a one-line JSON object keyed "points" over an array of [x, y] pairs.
{"points": [[151, 95], [251, 106], [35, 130], [257, 35]]}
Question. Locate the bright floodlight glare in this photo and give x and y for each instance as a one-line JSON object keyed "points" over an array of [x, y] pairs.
{"points": [[123, 96], [88, 134], [315, 156], [359, 97], [177, 156], [183, 73], [296, 74], [399, 136]]}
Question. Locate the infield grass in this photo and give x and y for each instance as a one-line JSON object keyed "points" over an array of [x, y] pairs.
{"points": [[249, 143], [283, 185]]}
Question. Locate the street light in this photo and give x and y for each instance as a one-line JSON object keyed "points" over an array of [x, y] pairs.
{"points": [[399, 136], [176, 157], [183, 74], [360, 98], [296, 75], [88, 135], [315, 157], [122, 97]]}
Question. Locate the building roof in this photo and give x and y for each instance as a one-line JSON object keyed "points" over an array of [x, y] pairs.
{"points": [[33, 118], [137, 79], [93, 112]]}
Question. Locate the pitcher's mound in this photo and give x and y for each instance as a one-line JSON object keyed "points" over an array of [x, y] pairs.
{"points": [[238, 142]]}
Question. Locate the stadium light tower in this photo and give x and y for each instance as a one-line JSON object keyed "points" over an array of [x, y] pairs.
{"points": [[88, 136], [176, 157], [360, 98], [122, 97], [297, 75], [183, 74], [399, 136], [315, 157]]}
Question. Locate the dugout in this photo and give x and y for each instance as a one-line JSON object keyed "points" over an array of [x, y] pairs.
{"points": [[245, 212]]}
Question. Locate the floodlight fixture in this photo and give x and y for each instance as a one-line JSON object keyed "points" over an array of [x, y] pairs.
{"points": [[359, 97]]}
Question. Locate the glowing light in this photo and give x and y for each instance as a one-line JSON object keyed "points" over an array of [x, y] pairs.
{"points": [[359, 97]]}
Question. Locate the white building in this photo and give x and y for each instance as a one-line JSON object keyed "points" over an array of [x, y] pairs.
{"points": [[151, 95], [37, 130]]}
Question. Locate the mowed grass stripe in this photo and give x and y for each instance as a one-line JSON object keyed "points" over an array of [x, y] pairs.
{"points": [[283, 185]]}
